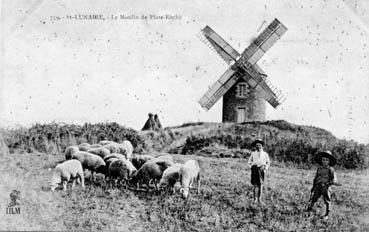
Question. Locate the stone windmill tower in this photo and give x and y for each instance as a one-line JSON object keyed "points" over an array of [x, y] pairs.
{"points": [[244, 86]]}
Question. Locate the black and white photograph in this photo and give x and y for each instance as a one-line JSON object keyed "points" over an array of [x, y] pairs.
{"points": [[184, 115]]}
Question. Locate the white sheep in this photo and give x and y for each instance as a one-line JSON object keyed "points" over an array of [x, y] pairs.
{"points": [[92, 162], [95, 145], [170, 177], [113, 147], [69, 151], [104, 142], [100, 151], [126, 148], [188, 174], [66, 171], [130, 168], [84, 146]]}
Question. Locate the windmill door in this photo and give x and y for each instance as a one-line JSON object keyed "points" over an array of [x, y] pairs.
{"points": [[241, 114]]}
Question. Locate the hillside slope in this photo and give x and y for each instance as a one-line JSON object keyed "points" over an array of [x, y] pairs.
{"points": [[279, 129], [284, 141]]}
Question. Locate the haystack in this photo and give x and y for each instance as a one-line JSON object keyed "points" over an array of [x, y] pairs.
{"points": [[157, 121], [150, 123]]}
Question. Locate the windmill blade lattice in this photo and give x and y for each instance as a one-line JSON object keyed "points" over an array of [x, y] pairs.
{"points": [[279, 95], [202, 36]]}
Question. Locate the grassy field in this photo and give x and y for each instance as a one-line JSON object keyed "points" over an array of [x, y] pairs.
{"points": [[224, 203]]}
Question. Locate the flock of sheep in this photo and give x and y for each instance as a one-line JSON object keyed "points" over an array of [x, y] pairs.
{"points": [[120, 166]]}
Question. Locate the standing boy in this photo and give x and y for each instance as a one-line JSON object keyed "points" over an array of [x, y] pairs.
{"points": [[259, 162], [324, 178]]}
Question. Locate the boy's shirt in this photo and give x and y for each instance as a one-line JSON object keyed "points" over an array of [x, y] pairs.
{"points": [[325, 176], [259, 158]]}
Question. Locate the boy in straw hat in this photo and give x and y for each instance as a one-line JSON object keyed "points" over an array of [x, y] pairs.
{"points": [[259, 162], [324, 178]]}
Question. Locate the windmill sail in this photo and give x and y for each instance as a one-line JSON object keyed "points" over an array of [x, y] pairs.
{"points": [[219, 88], [217, 43], [264, 42], [256, 81], [245, 65]]}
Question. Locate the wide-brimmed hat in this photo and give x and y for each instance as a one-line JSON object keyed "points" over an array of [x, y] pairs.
{"points": [[328, 154], [253, 144]]}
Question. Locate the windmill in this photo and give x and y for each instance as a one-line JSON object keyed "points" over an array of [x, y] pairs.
{"points": [[244, 86]]}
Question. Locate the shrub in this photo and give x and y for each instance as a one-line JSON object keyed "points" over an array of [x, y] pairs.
{"points": [[54, 137], [157, 140], [284, 142]]}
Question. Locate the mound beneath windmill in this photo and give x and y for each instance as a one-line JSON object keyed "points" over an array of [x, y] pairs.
{"points": [[285, 142]]}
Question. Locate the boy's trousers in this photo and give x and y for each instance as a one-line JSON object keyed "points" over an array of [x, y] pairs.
{"points": [[321, 190]]}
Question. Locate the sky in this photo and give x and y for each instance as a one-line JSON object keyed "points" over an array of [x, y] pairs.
{"points": [[75, 70]]}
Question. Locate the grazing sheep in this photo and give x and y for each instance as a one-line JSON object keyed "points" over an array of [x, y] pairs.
{"points": [[66, 171], [116, 171], [126, 148], [112, 147], [164, 162], [105, 142], [189, 173], [130, 167], [95, 145], [109, 161], [69, 151], [170, 177], [91, 162], [114, 155], [139, 160], [100, 151], [149, 171], [111, 157], [84, 146], [120, 170]]}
